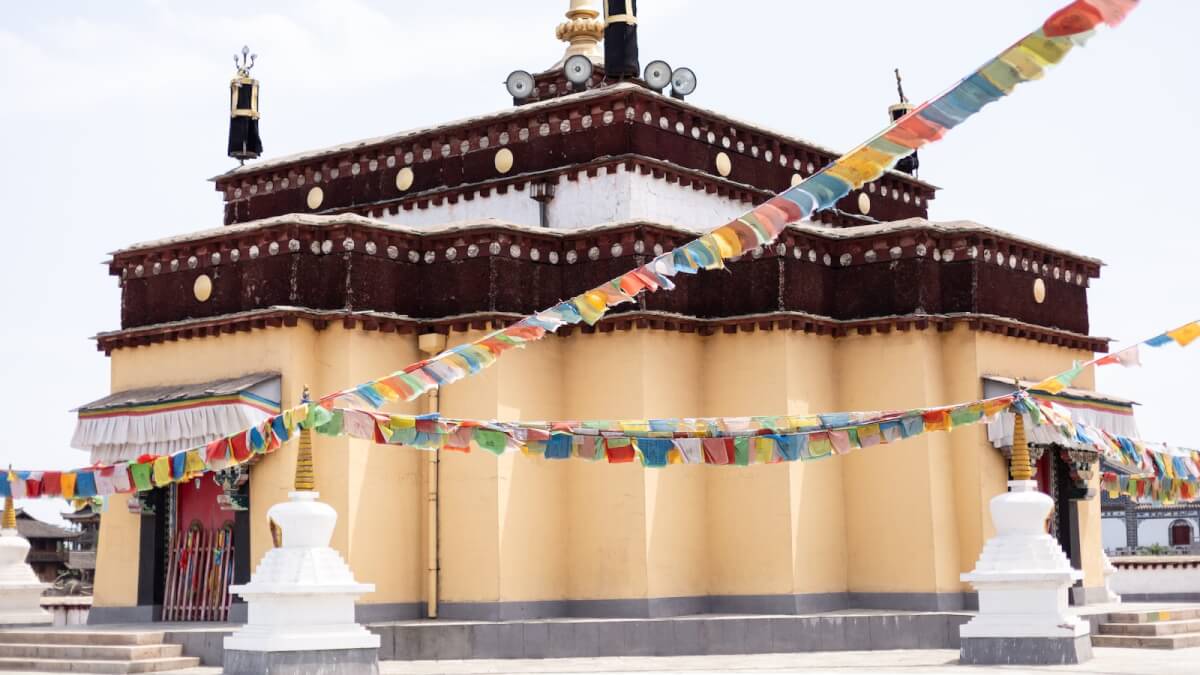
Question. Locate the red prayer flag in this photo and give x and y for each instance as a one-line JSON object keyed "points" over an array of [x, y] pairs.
{"points": [[241, 449], [215, 451], [620, 455], [52, 483], [1078, 17]]}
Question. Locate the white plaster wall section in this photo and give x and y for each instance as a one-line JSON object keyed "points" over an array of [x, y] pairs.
{"points": [[515, 206], [1112, 533], [605, 198], [1154, 531], [657, 200], [1156, 580], [629, 195], [586, 201]]}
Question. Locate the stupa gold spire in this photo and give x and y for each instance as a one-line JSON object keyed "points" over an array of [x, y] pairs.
{"points": [[1019, 464], [9, 521], [582, 31], [305, 477]]}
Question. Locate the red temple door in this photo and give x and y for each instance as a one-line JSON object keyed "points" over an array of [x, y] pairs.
{"points": [[1181, 533], [201, 556], [1045, 485]]}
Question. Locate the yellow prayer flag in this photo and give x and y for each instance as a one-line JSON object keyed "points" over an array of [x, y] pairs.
{"points": [[992, 407], [805, 422], [193, 463], [1052, 386], [162, 471], [402, 422], [764, 449], [1186, 334], [727, 241], [1024, 62], [68, 484]]}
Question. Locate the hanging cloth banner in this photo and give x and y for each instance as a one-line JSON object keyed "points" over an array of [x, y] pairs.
{"points": [[1026, 60], [1148, 472], [731, 441]]}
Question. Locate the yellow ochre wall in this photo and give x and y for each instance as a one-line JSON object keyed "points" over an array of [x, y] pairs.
{"points": [[905, 518], [373, 489]]}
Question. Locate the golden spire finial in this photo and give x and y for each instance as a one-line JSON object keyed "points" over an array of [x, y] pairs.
{"points": [[1019, 464], [10, 515], [305, 477], [583, 30], [9, 521]]}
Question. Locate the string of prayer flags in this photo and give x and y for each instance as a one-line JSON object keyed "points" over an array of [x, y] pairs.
{"points": [[1151, 471], [1129, 356], [1024, 61], [655, 443]]}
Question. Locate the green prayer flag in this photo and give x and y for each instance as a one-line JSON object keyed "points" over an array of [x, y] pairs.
{"points": [[741, 450], [318, 416], [492, 441], [819, 445], [333, 426], [141, 476], [967, 414], [853, 435]]}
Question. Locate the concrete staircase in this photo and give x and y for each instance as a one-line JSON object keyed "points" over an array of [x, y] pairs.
{"points": [[83, 651], [1166, 629]]}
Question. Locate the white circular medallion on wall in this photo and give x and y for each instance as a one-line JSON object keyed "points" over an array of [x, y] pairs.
{"points": [[864, 203], [724, 164], [797, 179], [504, 160], [404, 179], [202, 288], [1039, 290], [315, 197]]}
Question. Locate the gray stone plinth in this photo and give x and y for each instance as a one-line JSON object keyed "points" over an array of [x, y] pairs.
{"points": [[328, 662], [1025, 651]]}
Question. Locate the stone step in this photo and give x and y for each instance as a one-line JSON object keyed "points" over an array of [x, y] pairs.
{"points": [[1157, 615], [1178, 641], [90, 652], [1150, 629], [84, 666], [81, 637]]}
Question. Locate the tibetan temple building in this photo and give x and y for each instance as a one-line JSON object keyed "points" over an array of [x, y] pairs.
{"points": [[337, 265]]}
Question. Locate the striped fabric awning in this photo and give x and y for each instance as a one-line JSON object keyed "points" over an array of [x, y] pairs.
{"points": [[162, 420], [1110, 413]]}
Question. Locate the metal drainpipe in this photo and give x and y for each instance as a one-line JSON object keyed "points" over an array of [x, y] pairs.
{"points": [[431, 344]]}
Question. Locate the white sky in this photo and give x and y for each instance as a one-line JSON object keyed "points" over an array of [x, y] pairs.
{"points": [[114, 115]]}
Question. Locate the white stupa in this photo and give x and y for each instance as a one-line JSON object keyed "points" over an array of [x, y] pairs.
{"points": [[20, 589], [1022, 578], [300, 600]]}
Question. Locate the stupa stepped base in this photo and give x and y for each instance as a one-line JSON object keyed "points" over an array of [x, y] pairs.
{"points": [[325, 661], [20, 590], [1022, 578], [1025, 650], [20, 605]]}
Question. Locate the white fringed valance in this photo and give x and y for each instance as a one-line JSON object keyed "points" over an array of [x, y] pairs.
{"points": [[163, 420], [1111, 414]]}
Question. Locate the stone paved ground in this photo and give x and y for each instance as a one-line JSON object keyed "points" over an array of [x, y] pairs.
{"points": [[1106, 662], [906, 662]]}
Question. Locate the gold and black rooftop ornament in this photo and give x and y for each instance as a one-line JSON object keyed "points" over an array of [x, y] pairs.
{"points": [[244, 142], [911, 163], [621, 39]]}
